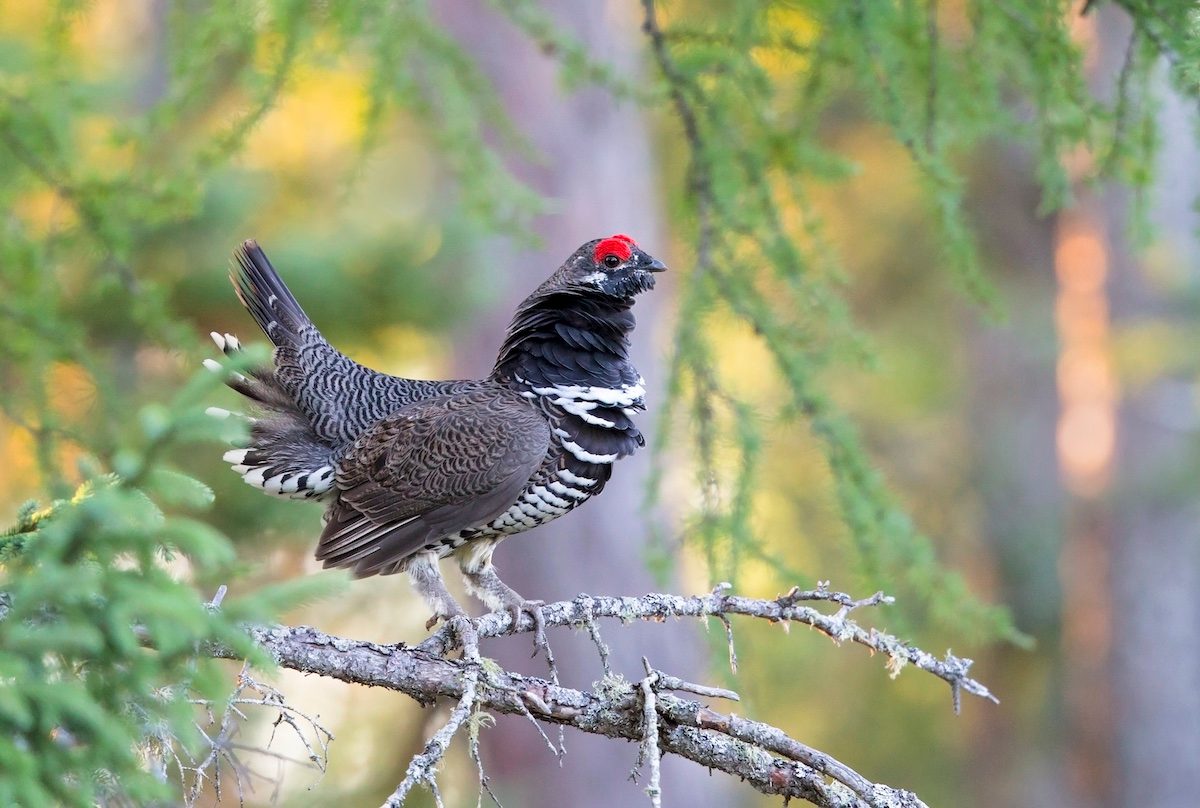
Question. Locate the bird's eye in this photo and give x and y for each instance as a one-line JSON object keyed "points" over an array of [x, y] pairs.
{"points": [[612, 261]]}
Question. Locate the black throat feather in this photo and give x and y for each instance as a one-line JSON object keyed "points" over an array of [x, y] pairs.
{"points": [[572, 351], [563, 338]]}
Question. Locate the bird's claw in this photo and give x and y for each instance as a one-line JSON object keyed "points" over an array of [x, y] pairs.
{"points": [[446, 616], [534, 608], [465, 627]]}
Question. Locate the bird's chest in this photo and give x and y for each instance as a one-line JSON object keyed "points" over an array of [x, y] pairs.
{"points": [[550, 494], [590, 430]]}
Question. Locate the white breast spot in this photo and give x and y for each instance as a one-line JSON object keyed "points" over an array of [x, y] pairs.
{"points": [[563, 490], [583, 409], [574, 479], [583, 454], [627, 395], [544, 493]]}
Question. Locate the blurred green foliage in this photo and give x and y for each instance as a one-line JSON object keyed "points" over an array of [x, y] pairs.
{"points": [[766, 84], [118, 180], [101, 636]]}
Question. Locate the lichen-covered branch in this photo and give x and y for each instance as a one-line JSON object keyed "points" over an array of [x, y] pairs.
{"points": [[762, 755], [421, 769], [719, 604]]}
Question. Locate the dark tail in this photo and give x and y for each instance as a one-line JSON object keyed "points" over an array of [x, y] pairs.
{"points": [[265, 295], [284, 457], [276, 311]]}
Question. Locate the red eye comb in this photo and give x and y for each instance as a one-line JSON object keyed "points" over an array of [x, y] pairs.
{"points": [[619, 245]]}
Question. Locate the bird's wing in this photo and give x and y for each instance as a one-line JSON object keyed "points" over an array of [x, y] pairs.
{"points": [[430, 470]]}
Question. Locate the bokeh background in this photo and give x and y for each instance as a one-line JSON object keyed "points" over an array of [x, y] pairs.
{"points": [[1043, 433]]}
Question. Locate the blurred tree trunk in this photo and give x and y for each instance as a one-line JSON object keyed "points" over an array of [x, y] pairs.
{"points": [[1011, 407], [600, 174], [1124, 727], [1151, 594], [1156, 557]]}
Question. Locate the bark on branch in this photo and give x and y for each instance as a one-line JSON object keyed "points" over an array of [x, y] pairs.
{"points": [[762, 755]]}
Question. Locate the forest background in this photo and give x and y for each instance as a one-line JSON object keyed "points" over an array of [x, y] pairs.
{"points": [[928, 330]]}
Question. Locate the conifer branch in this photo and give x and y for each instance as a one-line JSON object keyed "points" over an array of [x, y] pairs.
{"points": [[699, 179]]}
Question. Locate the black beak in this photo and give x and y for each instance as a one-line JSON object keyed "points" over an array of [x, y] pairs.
{"points": [[654, 266]]}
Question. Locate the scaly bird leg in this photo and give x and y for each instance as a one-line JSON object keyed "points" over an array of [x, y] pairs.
{"points": [[484, 583], [426, 578]]}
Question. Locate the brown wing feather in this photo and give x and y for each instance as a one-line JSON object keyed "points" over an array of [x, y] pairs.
{"points": [[430, 470]]}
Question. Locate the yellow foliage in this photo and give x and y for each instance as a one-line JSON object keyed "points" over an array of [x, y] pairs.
{"points": [[404, 351], [72, 390], [316, 122], [18, 472], [794, 30], [43, 211]]}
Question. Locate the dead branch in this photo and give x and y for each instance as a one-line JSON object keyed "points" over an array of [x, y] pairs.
{"points": [[719, 604], [648, 712], [421, 769]]}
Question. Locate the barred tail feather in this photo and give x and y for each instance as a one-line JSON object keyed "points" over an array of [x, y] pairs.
{"points": [[292, 478], [284, 458], [260, 386], [266, 296]]}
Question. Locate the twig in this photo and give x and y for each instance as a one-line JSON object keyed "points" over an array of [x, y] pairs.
{"points": [[699, 180], [422, 767], [668, 682], [931, 96], [557, 751], [593, 629], [222, 749], [649, 749], [218, 597], [485, 783], [764, 736]]}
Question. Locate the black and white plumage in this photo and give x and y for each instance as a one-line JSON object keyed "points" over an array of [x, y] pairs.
{"points": [[416, 470]]}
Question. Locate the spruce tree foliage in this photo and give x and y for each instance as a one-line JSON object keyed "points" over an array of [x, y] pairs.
{"points": [[105, 576], [88, 591]]}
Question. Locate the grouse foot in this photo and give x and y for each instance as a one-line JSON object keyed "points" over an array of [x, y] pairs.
{"points": [[426, 578], [445, 615], [486, 584], [534, 608]]}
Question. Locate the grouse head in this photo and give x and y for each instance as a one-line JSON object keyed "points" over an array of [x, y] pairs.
{"points": [[580, 317], [613, 267]]}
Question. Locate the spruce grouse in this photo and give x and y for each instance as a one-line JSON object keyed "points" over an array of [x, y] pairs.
{"points": [[415, 470]]}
